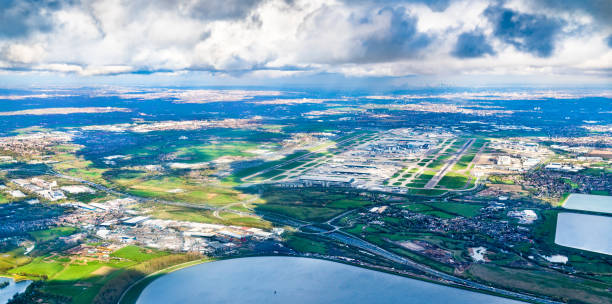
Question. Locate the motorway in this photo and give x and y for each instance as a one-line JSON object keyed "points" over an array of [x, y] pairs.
{"points": [[347, 239], [336, 235]]}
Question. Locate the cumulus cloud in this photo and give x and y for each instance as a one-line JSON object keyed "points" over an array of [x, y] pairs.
{"points": [[401, 38], [361, 36], [471, 45], [598, 9], [19, 18], [283, 38], [527, 32]]}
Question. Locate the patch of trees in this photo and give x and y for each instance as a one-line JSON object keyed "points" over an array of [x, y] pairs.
{"points": [[33, 294], [112, 290]]}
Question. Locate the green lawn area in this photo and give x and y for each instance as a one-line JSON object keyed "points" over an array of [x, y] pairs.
{"points": [[464, 161], [600, 192], [38, 268], [453, 180], [543, 282], [462, 209], [74, 272], [439, 214], [192, 192], [427, 192], [422, 179], [317, 214], [544, 232], [252, 170], [417, 207], [309, 204], [205, 153], [498, 179], [137, 254], [13, 258], [52, 233], [304, 244], [445, 209], [206, 216], [348, 203]]}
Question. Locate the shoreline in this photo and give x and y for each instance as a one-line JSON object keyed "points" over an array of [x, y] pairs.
{"points": [[165, 271]]}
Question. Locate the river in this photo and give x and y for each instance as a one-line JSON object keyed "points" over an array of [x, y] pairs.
{"points": [[7, 292], [298, 280]]}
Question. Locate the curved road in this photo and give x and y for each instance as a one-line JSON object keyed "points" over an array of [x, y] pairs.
{"points": [[341, 237], [348, 239]]}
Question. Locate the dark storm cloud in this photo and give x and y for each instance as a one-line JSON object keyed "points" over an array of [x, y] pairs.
{"points": [[472, 45], [526, 32], [19, 18], [402, 40]]}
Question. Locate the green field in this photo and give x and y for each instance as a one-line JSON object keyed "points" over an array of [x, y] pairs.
{"points": [[80, 279], [445, 209], [190, 191], [462, 209], [38, 268], [206, 216], [317, 214], [453, 180], [309, 204], [205, 153], [306, 244], [53, 233], [137, 254], [543, 282]]}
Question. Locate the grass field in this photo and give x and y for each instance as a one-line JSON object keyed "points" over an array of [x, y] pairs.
{"points": [[52, 233], [206, 216], [317, 214], [445, 209], [13, 258], [79, 279], [190, 191], [453, 180], [137, 254], [72, 165], [543, 282], [462, 209], [306, 244], [205, 153], [38, 268], [309, 204]]}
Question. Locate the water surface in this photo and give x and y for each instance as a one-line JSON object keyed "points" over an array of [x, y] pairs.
{"points": [[584, 231], [298, 280], [7, 292], [588, 202]]}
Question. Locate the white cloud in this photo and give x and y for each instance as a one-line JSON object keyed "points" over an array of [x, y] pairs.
{"points": [[273, 37]]}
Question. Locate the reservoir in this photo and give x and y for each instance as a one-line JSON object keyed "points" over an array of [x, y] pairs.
{"points": [[587, 202], [298, 280], [584, 231], [7, 292]]}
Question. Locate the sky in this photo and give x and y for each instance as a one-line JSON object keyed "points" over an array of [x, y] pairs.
{"points": [[318, 42]]}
